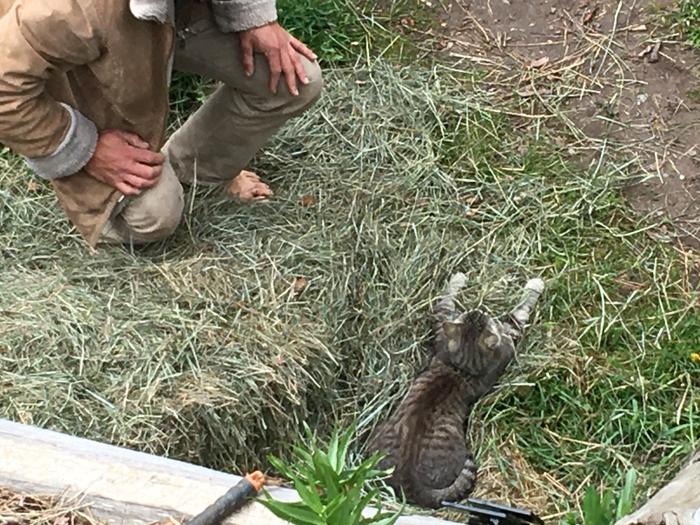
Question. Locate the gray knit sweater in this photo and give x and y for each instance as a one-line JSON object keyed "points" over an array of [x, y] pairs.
{"points": [[231, 15]]}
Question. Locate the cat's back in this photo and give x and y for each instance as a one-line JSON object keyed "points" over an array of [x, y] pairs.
{"points": [[434, 402], [437, 390]]}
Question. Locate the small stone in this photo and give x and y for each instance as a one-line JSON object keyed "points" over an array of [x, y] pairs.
{"points": [[300, 284], [307, 201]]}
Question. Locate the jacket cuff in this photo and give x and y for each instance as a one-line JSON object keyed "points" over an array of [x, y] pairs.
{"points": [[161, 11], [73, 153], [241, 15]]}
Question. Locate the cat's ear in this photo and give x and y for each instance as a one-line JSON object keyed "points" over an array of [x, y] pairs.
{"points": [[492, 341], [452, 331]]}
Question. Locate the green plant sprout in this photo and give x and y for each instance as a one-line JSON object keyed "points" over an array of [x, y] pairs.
{"points": [[332, 491], [599, 508]]}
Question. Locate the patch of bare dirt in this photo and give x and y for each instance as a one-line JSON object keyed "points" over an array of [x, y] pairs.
{"points": [[608, 71]]}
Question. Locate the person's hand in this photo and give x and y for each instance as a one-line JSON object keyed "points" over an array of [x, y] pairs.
{"points": [[122, 160], [282, 52]]}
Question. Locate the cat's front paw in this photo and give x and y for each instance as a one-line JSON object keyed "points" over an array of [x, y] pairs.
{"points": [[457, 281], [536, 285]]}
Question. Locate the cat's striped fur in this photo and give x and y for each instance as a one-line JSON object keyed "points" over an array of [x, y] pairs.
{"points": [[424, 439]]}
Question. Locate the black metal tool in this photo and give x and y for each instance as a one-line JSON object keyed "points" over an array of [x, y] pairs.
{"points": [[231, 502], [482, 512]]}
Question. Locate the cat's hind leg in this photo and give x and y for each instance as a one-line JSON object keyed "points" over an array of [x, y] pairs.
{"points": [[520, 315]]}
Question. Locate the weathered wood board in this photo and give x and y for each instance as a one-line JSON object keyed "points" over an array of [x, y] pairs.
{"points": [[121, 486]]}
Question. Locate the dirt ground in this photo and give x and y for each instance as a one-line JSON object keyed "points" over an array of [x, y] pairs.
{"points": [[616, 74]]}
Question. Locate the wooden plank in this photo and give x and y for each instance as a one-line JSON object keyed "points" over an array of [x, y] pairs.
{"points": [[124, 487], [677, 503]]}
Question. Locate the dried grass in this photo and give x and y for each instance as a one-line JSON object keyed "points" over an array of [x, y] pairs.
{"points": [[205, 349], [23, 509]]}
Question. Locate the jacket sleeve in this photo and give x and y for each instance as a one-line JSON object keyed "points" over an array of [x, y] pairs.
{"points": [[39, 41], [240, 15]]}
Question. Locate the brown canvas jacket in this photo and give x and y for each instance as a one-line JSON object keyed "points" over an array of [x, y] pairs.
{"points": [[72, 68]]}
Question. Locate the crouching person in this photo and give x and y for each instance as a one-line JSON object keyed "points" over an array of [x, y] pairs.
{"points": [[84, 98]]}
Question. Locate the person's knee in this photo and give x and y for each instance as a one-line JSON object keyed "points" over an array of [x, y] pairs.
{"points": [[156, 214], [164, 222], [310, 93], [259, 98]]}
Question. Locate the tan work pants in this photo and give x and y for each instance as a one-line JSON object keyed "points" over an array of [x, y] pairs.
{"points": [[217, 141]]}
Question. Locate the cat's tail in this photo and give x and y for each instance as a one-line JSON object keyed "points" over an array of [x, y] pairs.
{"points": [[520, 315], [460, 489]]}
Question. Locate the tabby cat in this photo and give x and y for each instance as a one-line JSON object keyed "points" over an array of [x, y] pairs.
{"points": [[424, 439]]}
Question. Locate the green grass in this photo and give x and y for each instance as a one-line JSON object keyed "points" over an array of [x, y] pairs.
{"points": [[341, 32], [200, 348], [689, 18], [331, 28]]}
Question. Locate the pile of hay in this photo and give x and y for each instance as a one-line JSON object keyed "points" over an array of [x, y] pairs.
{"points": [[215, 346]]}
